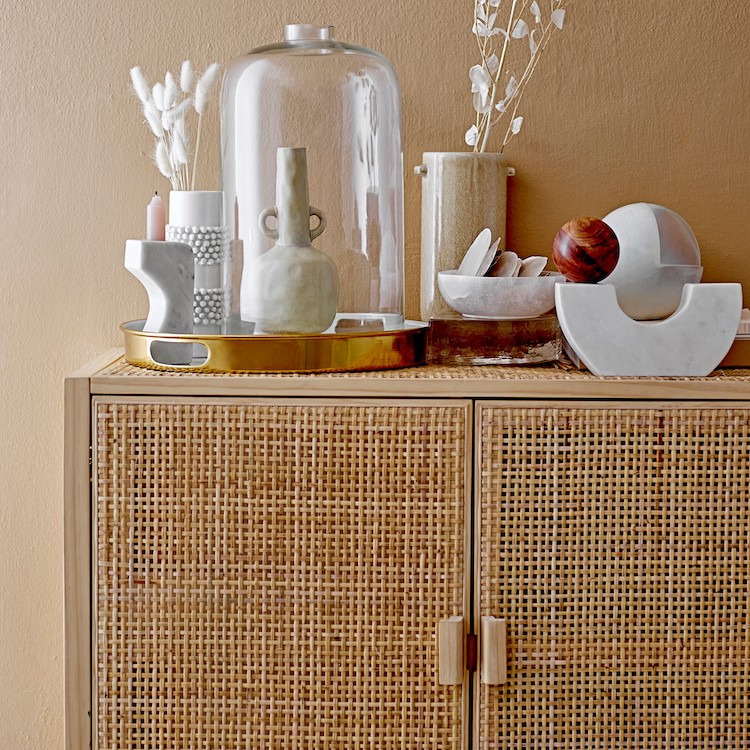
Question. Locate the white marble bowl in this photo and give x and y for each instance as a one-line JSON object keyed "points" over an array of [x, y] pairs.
{"points": [[499, 297]]}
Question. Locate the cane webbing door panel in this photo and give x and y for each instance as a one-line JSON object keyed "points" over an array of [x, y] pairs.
{"points": [[614, 541], [271, 574]]}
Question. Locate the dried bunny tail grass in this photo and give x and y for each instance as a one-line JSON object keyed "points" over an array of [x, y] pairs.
{"points": [[157, 94], [204, 85], [186, 76], [170, 91], [202, 89], [161, 159], [140, 85], [165, 108], [168, 119], [179, 152], [179, 127], [153, 118], [183, 107]]}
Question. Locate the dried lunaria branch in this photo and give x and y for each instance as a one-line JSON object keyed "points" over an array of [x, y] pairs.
{"points": [[497, 90], [166, 107]]}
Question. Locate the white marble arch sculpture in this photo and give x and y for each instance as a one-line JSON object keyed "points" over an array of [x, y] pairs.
{"points": [[166, 270], [691, 342]]}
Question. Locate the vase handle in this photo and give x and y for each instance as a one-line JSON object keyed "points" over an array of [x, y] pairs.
{"points": [[321, 226], [271, 233]]}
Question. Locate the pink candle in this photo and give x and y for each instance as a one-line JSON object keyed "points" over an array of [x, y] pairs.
{"points": [[156, 219]]}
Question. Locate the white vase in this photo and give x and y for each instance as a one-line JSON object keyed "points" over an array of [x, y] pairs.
{"points": [[462, 193], [196, 218], [291, 288]]}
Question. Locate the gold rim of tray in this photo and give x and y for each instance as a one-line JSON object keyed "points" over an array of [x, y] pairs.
{"points": [[331, 352]]}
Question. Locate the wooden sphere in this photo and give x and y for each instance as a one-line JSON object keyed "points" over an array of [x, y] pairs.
{"points": [[586, 250]]}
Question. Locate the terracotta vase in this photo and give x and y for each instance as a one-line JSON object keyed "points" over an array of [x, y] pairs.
{"points": [[462, 193]]}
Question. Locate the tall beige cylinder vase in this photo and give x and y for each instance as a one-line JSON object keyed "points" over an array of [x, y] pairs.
{"points": [[462, 193]]}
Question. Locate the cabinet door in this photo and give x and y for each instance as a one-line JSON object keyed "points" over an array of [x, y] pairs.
{"points": [[614, 542], [271, 575]]}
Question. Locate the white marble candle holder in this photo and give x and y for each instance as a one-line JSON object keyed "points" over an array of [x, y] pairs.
{"points": [[166, 270], [691, 342]]}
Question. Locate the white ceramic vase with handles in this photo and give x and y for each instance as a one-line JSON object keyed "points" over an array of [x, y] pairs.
{"points": [[291, 288], [462, 194]]}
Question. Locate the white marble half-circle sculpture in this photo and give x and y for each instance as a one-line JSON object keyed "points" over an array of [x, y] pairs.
{"points": [[691, 342]]}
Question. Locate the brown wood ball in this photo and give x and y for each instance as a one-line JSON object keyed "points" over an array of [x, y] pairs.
{"points": [[586, 250]]}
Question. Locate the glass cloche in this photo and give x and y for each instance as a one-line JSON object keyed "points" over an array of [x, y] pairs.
{"points": [[311, 139]]}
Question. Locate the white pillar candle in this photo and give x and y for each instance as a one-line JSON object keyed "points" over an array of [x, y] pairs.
{"points": [[156, 219]]}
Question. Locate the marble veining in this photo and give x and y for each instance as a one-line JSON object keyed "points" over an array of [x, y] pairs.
{"points": [[166, 270]]}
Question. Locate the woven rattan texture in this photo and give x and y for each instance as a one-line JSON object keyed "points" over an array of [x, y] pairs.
{"points": [[272, 576], [121, 368], [615, 542]]}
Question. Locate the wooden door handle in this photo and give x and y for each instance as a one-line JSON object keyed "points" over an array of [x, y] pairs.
{"points": [[493, 648], [451, 651]]}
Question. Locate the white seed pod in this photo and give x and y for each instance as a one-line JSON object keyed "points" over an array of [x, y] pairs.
{"points": [[558, 17]]}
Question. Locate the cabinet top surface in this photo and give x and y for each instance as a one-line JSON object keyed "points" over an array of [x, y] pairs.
{"points": [[113, 375]]}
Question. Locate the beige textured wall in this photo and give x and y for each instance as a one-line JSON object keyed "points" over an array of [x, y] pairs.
{"points": [[637, 100]]}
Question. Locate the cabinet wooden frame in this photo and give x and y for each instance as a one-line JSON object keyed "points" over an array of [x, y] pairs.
{"points": [[77, 551]]}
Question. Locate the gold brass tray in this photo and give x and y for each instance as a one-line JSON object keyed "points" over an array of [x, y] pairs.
{"points": [[248, 352]]}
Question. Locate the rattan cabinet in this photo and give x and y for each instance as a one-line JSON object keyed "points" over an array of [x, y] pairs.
{"points": [[269, 561]]}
